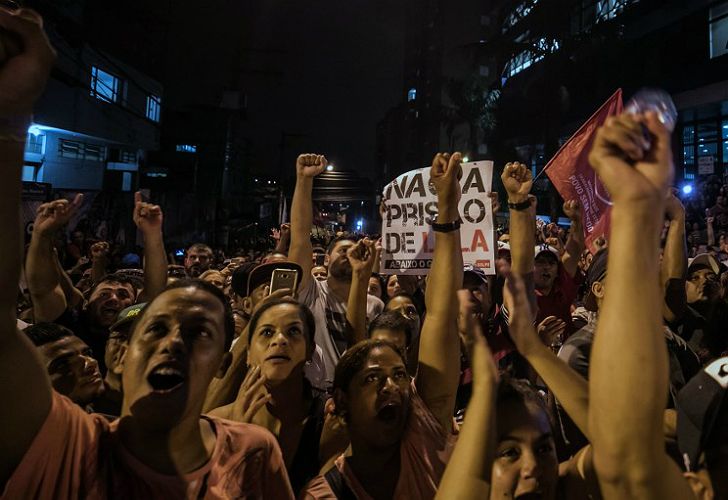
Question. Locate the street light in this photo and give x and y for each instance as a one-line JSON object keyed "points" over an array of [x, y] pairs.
{"points": [[466, 159], [329, 168]]}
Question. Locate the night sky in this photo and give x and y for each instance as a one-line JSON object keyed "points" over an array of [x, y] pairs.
{"points": [[323, 73]]}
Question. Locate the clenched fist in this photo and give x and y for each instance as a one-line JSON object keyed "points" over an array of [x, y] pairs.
{"points": [[310, 165], [517, 180]]}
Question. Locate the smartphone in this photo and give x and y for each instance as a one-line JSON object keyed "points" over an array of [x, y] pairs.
{"points": [[283, 278]]}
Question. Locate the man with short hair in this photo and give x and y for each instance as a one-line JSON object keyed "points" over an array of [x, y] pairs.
{"points": [[198, 259], [71, 367], [110, 401], [393, 327], [326, 299]]}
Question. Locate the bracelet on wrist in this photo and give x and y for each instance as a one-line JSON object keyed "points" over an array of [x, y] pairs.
{"points": [[521, 206], [447, 227]]}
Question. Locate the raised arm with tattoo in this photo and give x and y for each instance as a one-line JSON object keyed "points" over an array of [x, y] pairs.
{"points": [[629, 347], [25, 390], [308, 166], [361, 257], [439, 361], [148, 219]]}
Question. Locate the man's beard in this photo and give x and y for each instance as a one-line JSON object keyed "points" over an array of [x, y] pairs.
{"points": [[341, 271]]}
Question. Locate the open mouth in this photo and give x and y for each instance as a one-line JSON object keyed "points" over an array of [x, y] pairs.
{"points": [[165, 379], [389, 412]]}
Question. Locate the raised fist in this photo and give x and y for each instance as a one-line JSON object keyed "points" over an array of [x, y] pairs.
{"points": [[99, 251], [444, 175], [25, 66], [310, 165], [147, 217], [361, 256], [632, 168], [54, 215], [572, 209], [517, 180]]}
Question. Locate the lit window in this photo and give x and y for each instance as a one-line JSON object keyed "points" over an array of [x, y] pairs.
{"points": [[531, 56], [154, 107], [609, 9], [186, 148], [70, 149], [104, 86], [718, 32], [126, 181], [519, 13], [35, 144], [80, 151], [29, 173], [411, 94]]}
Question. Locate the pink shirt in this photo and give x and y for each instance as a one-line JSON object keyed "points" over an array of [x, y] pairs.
{"points": [[77, 455], [424, 452]]}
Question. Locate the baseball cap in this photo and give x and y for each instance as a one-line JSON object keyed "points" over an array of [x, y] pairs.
{"points": [[261, 275], [248, 278], [597, 270], [239, 281], [545, 248], [128, 315], [473, 275], [699, 403], [705, 261]]}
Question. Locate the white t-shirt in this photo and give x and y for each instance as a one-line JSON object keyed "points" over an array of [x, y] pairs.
{"points": [[330, 315]]}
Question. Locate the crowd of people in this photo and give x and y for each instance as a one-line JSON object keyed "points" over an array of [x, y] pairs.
{"points": [[304, 373]]}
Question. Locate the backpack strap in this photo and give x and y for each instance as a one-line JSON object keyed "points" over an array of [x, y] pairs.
{"points": [[338, 485]]}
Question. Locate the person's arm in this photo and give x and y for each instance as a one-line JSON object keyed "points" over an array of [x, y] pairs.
{"points": [[25, 390], [570, 388], [468, 471], [361, 257], [301, 251], [44, 282], [674, 261], [148, 219], [73, 295], [99, 260], [629, 347], [710, 230], [517, 180], [575, 243], [284, 238], [439, 361]]}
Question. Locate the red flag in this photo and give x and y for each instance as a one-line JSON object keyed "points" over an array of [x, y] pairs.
{"points": [[574, 179]]}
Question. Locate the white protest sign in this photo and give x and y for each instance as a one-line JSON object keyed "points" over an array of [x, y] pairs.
{"points": [[410, 205]]}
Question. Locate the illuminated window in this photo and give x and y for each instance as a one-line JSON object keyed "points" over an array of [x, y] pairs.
{"points": [[186, 148], [609, 9], [519, 13], [531, 56], [154, 107], [411, 94], [104, 86], [35, 143], [77, 150], [718, 32]]}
